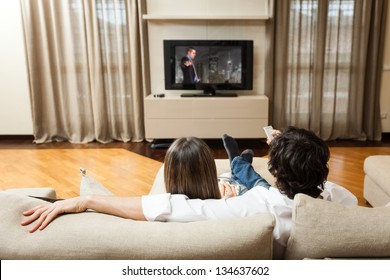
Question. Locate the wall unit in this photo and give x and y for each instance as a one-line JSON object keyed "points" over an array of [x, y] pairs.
{"points": [[212, 9], [206, 117]]}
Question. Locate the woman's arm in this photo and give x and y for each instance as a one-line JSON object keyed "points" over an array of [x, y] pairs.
{"points": [[125, 207]]}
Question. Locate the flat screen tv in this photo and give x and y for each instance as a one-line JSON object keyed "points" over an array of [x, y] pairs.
{"points": [[209, 66]]}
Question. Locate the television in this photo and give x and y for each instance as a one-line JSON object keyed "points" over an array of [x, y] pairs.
{"points": [[209, 66]]}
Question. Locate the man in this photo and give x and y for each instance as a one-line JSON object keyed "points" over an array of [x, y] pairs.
{"points": [[297, 158], [188, 67]]}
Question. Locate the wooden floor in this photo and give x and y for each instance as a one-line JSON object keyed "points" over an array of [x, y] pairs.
{"points": [[124, 173], [24, 164]]}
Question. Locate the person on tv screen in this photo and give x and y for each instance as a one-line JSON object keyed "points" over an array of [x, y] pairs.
{"points": [[188, 67]]}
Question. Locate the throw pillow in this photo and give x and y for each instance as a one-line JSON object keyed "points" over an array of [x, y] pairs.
{"points": [[89, 186], [323, 229]]}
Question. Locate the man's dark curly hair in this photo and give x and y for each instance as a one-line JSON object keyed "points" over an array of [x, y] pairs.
{"points": [[298, 159]]}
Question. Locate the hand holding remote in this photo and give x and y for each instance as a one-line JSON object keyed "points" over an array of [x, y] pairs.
{"points": [[268, 131]]}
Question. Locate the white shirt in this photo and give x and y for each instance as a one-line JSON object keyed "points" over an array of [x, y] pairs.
{"points": [[179, 208]]}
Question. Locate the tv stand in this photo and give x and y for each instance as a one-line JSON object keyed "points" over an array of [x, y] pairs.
{"points": [[209, 118], [209, 94]]}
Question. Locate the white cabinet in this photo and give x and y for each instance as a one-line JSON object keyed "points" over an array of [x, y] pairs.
{"points": [[205, 117]]}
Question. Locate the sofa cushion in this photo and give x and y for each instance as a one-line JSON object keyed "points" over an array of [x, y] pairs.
{"points": [[326, 229], [158, 186], [91, 235], [374, 194], [39, 192]]}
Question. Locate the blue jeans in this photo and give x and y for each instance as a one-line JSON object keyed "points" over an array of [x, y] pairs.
{"points": [[243, 173]]}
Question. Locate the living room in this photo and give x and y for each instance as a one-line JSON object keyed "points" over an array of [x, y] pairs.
{"points": [[59, 110]]}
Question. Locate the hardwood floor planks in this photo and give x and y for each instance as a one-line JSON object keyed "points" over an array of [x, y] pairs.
{"points": [[122, 172], [132, 173]]}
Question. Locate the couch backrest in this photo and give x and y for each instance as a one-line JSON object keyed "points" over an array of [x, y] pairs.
{"points": [[91, 235]]}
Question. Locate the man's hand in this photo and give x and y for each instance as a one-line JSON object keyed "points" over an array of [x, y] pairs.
{"points": [[188, 63], [274, 133]]}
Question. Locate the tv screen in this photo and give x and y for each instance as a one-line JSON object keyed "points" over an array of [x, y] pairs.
{"points": [[208, 65]]}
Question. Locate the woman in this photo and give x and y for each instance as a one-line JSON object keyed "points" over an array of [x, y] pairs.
{"points": [[189, 168]]}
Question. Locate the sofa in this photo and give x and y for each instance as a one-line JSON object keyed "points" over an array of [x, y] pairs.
{"points": [[321, 230], [376, 180]]}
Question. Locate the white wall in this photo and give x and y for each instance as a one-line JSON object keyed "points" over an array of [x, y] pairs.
{"points": [[385, 86], [15, 110]]}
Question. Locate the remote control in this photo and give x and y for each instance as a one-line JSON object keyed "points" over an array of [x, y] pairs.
{"points": [[268, 131]]}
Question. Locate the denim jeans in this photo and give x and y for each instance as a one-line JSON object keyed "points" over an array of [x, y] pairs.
{"points": [[243, 173]]}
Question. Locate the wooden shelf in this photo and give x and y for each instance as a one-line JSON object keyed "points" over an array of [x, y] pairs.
{"points": [[203, 17]]}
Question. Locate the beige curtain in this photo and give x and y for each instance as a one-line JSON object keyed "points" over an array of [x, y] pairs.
{"points": [[87, 69], [326, 66]]}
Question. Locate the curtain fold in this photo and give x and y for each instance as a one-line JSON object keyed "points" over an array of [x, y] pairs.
{"points": [[327, 63], [371, 116], [87, 69]]}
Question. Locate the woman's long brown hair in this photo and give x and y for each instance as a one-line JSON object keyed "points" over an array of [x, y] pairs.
{"points": [[189, 168]]}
